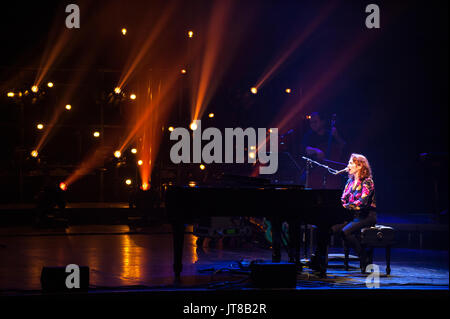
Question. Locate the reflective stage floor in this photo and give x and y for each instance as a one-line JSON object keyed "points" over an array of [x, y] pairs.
{"points": [[131, 269], [120, 258]]}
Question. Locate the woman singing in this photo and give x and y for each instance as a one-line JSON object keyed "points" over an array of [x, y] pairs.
{"points": [[359, 198]]}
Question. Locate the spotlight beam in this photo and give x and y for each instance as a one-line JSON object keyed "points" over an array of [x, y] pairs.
{"points": [[206, 86], [67, 96], [324, 13], [156, 31], [163, 97], [50, 56], [332, 72]]}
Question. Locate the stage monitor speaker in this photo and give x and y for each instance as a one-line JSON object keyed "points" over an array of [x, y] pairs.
{"points": [[65, 279], [273, 275]]}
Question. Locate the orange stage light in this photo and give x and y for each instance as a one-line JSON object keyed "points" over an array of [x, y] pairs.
{"points": [[140, 162], [193, 126], [96, 134], [50, 84], [63, 186], [68, 106], [211, 115], [34, 153], [254, 90], [10, 94], [117, 90], [192, 184], [128, 181], [133, 150], [190, 34], [133, 96], [288, 90], [40, 126], [34, 88], [124, 31], [117, 154], [202, 167], [183, 71]]}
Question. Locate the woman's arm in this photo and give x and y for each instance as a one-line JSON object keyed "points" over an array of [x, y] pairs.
{"points": [[345, 193], [362, 197]]}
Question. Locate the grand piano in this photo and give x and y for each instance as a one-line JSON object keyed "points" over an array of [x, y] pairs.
{"points": [[312, 206]]}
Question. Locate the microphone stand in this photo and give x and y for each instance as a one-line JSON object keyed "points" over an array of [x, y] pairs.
{"points": [[330, 139], [309, 163], [308, 166]]}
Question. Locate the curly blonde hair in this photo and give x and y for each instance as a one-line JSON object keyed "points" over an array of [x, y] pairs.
{"points": [[365, 171]]}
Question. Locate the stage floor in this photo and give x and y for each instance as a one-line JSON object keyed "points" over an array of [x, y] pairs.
{"points": [[120, 259]]}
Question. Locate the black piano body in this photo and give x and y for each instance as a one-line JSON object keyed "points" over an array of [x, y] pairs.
{"points": [[321, 207]]}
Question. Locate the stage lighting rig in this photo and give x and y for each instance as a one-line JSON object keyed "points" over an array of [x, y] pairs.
{"points": [[50, 203], [145, 198]]}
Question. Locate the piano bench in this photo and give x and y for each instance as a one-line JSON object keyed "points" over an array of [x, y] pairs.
{"points": [[378, 236]]}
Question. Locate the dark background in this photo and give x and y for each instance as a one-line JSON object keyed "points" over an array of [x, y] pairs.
{"points": [[390, 98]]}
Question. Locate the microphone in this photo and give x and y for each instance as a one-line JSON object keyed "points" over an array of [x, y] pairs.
{"points": [[341, 171]]}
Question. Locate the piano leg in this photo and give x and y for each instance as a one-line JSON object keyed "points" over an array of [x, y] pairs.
{"points": [[294, 240], [178, 243], [323, 239]]}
